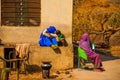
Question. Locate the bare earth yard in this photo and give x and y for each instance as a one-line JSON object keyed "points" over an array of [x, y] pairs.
{"points": [[111, 65]]}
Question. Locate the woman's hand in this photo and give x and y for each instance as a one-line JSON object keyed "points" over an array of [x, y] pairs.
{"points": [[52, 35]]}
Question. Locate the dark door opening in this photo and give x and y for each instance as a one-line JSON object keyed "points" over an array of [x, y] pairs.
{"points": [[9, 53]]}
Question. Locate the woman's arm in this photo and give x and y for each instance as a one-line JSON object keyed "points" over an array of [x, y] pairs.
{"points": [[48, 34], [53, 35]]}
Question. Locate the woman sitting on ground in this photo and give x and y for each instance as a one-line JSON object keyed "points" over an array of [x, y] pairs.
{"points": [[48, 37]]}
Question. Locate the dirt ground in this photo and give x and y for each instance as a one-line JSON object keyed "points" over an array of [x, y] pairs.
{"points": [[110, 64]]}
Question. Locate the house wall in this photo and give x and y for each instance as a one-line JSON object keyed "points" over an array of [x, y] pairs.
{"points": [[53, 12]]}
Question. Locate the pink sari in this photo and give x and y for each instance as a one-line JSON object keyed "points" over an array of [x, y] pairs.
{"points": [[84, 43]]}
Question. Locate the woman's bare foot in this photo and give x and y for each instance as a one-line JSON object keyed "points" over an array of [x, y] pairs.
{"points": [[102, 69], [98, 70]]}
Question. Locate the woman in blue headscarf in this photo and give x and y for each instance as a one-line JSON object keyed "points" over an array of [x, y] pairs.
{"points": [[48, 37]]}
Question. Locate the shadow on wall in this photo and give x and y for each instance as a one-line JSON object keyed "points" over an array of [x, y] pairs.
{"points": [[57, 51], [62, 42], [33, 68]]}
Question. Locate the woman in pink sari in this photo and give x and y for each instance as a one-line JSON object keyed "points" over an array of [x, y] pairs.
{"points": [[84, 43]]}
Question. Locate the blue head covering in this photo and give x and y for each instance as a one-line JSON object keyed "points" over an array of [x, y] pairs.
{"points": [[51, 29]]}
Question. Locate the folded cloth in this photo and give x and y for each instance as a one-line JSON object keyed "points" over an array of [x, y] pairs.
{"points": [[22, 49]]}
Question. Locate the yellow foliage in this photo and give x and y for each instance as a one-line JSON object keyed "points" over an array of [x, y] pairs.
{"points": [[93, 15]]}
